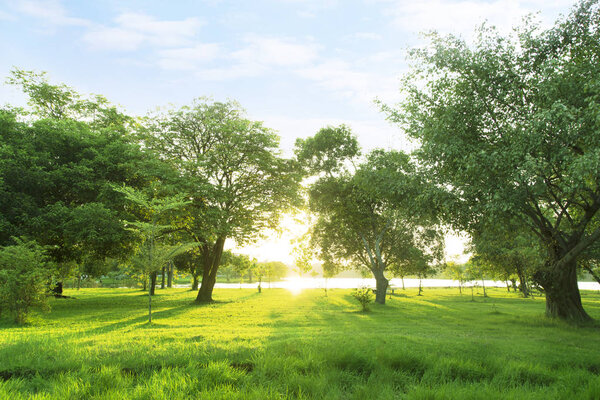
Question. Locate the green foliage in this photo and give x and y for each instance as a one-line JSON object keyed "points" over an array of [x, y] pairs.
{"points": [[509, 125], [328, 150], [364, 296], [369, 214], [24, 276]]}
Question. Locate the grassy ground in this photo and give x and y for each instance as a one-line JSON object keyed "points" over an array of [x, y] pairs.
{"points": [[279, 345]]}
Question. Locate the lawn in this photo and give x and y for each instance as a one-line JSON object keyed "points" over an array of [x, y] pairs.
{"points": [[279, 345]]}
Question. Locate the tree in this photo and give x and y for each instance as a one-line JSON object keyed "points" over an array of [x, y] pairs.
{"points": [[24, 273], [240, 184], [506, 250], [57, 165], [456, 272], [364, 218], [153, 253], [510, 125]]}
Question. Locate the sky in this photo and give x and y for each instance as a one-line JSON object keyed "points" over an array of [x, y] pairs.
{"points": [[297, 65]]}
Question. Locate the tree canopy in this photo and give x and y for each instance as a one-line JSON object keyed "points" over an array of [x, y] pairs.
{"points": [[509, 125]]}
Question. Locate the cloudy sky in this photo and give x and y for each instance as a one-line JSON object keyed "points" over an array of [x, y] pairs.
{"points": [[297, 65]]}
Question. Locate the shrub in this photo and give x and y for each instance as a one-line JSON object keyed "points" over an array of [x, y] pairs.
{"points": [[364, 296], [24, 277]]}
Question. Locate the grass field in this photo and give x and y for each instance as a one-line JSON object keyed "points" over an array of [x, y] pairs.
{"points": [[278, 345]]}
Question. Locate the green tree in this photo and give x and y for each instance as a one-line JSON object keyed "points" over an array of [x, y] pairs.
{"points": [[24, 273], [153, 252], [510, 125], [365, 218], [57, 165], [240, 184]]}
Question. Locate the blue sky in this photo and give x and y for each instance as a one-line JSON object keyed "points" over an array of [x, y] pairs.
{"points": [[297, 65]]}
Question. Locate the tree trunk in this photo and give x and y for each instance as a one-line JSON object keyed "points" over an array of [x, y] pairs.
{"points": [[381, 284], [402, 277], [209, 275], [522, 282], [152, 283], [145, 284], [162, 281], [58, 289], [507, 286], [483, 285], [563, 300], [170, 274], [259, 283]]}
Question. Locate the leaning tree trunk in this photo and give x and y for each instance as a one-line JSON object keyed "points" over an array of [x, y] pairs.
{"points": [[523, 282], [209, 275], [563, 300], [381, 284], [152, 283], [591, 272]]}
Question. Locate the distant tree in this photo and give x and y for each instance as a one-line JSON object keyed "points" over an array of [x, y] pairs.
{"points": [[456, 272], [24, 274], [510, 125], [366, 214]]}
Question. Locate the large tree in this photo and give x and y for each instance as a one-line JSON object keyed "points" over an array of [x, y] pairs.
{"points": [[57, 164], [511, 125], [364, 218], [239, 183]]}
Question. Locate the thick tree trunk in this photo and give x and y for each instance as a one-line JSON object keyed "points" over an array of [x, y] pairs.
{"points": [[563, 300], [381, 284], [209, 275], [162, 280], [170, 274], [152, 283]]}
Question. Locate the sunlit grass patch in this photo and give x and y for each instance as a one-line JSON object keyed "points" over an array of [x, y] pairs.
{"points": [[279, 345]]}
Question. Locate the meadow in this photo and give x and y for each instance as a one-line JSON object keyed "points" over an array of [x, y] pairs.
{"points": [[279, 345]]}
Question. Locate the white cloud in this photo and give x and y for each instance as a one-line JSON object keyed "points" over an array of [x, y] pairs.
{"points": [[345, 80], [260, 55], [365, 36], [132, 30], [188, 58], [462, 16], [50, 12], [272, 51]]}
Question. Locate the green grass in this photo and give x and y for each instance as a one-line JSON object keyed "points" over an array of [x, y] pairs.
{"points": [[276, 345]]}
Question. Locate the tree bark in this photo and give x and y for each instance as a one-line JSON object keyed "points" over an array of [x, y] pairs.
{"points": [[563, 300], [381, 284], [522, 282], [58, 289], [162, 281], [209, 274], [145, 284], [152, 283], [170, 274]]}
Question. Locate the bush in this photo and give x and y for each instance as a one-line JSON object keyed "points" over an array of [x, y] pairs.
{"points": [[24, 277], [364, 296]]}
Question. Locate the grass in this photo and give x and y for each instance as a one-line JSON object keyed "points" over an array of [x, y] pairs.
{"points": [[276, 345]]}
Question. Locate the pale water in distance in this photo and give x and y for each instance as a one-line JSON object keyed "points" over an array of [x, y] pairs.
{"points": [[296, 284]]}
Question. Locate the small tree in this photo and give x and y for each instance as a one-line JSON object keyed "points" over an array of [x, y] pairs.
{"points": [[24, 275], [152, 255], [364, 296]]}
